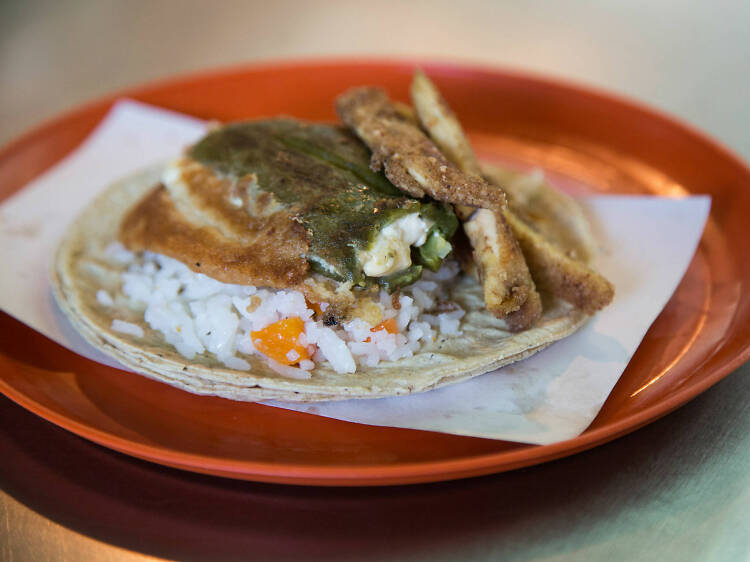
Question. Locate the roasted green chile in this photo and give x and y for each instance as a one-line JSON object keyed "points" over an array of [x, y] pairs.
{"points": [[321, 173]]}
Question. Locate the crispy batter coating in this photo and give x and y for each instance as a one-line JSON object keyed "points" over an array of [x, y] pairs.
{"points": [[273, 257], [441, 124], [194, 221], [487, 236], [552, 213], [558, 274], [411, 161], [482, 227], [414, 164], [552, 270]]}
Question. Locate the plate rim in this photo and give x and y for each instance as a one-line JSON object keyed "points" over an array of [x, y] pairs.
{"points": [[372, 474]]}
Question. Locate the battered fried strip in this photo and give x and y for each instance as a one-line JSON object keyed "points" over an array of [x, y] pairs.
{"points": [[551, 269], [486, 233], [553, 214], [441, 124], [481, 226], [411, 161], [558, 274], [415, 165]]}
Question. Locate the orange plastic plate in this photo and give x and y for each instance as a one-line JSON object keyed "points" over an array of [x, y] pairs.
{"points": [[580, 137]]}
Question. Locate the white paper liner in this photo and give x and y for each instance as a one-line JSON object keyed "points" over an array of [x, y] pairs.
{"points": [[647, 244]]}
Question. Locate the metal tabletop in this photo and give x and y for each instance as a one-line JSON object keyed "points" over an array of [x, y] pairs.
{"points": [[678, 489]]}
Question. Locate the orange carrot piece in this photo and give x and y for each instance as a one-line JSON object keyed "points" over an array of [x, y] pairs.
{"points": [[278, 339], [314, 306], [390, 326]]}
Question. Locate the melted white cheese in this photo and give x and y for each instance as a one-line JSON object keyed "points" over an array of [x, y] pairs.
{"points": [[172, 173], [391, 250]]}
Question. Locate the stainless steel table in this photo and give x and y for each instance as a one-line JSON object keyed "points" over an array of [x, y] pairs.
{"points": [[678, 489]]}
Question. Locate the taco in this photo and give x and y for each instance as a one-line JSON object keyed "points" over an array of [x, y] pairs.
{"points": [[285, 260]]}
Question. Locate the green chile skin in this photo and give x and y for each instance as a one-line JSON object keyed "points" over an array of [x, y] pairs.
{"points": [[321, 172]]}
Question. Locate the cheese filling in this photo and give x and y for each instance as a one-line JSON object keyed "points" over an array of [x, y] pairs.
{"points": [[391, 250]]}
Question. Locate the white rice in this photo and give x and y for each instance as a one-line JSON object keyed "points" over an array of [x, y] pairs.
{"points": [[127, 328], [197, 315], [104, 298]]}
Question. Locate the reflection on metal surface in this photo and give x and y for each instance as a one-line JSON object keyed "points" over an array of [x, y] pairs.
{"points": [[30, 536]]}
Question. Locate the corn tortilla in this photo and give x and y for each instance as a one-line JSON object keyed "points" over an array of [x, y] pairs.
{"points": [[81, 268]]}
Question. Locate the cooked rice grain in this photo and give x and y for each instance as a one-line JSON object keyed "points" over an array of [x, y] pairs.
{"points": [[197, 315]]}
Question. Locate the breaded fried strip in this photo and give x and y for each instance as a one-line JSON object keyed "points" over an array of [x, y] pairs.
{"points": [[410, 160], [406, 111], [441, 124], [481, 226], [558, 274], [552, 213], [415, 165], [485, 233], [551, 269]]}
